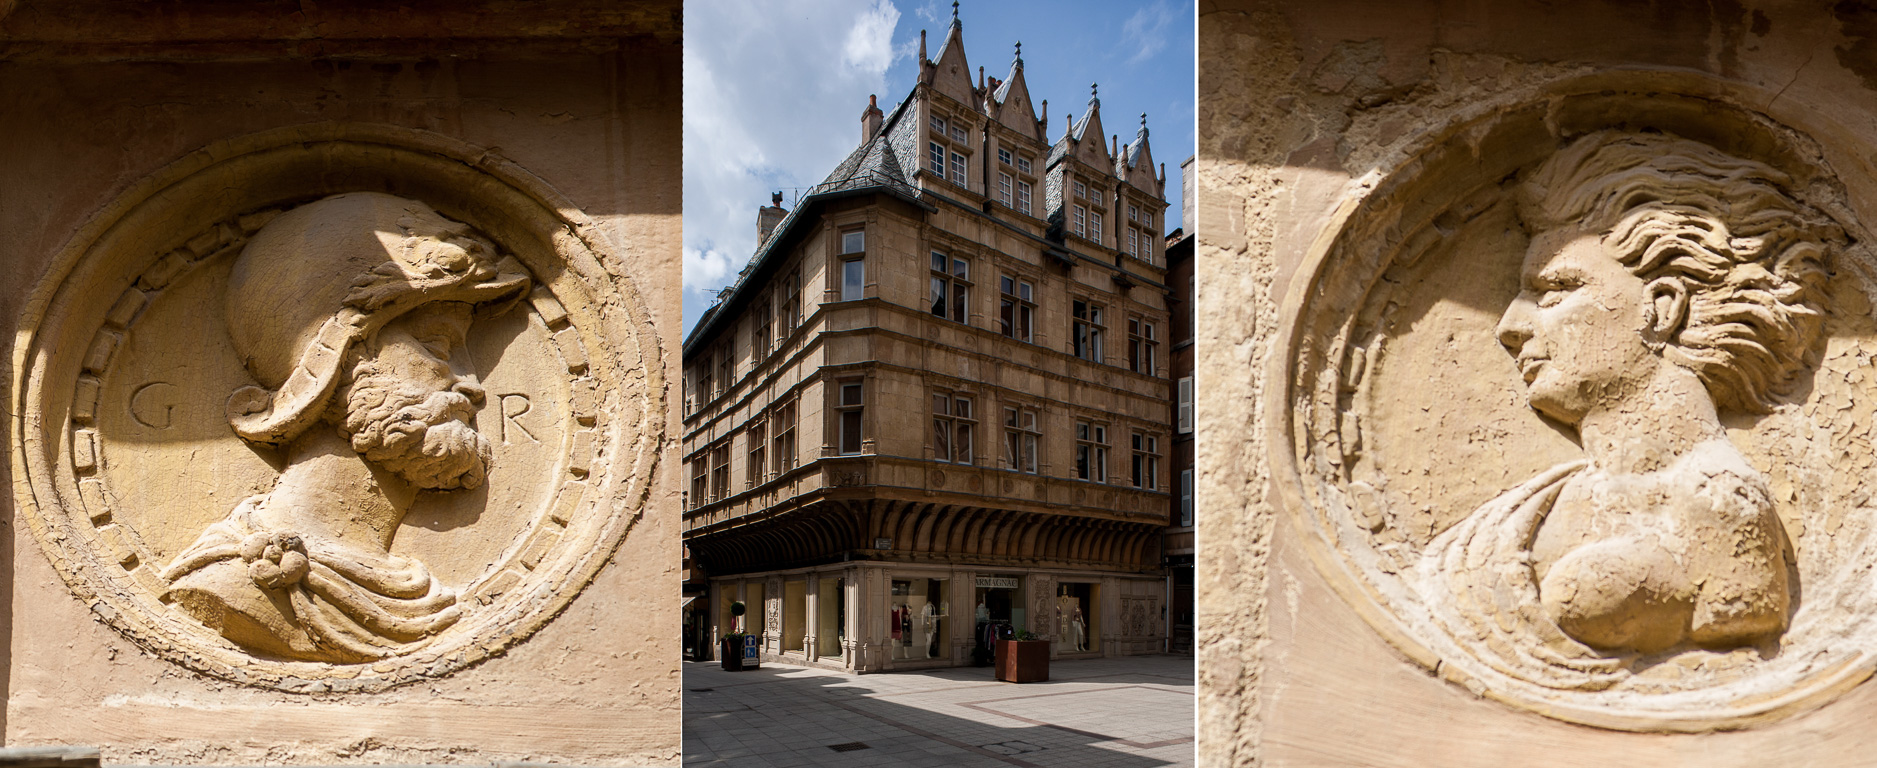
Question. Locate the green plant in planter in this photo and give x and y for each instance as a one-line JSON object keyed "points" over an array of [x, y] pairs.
{"points": [[736, 611], [1024, 634]]}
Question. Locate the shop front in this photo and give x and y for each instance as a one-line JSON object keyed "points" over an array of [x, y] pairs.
{"points": [[875, 617]]}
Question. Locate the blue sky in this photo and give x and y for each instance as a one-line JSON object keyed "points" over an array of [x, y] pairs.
{"points": [[773, 94]]}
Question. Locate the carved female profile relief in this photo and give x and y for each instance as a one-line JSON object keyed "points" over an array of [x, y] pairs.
{"points": [[1582, 411], [1664, 282], [357, 406]]}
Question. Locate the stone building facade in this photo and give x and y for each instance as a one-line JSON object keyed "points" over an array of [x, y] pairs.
{"points": [[1180, 547], [938, 396]]}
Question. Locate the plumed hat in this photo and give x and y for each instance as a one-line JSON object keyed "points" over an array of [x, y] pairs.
{"points": [[329, 274]]}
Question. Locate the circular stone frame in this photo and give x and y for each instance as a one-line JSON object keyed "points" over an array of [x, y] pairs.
{"points": [[1395, 215], [210, 201]]}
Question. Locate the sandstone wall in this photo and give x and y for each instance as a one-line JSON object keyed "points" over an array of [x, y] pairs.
{"points": [[570, 108], [1352, 150]]}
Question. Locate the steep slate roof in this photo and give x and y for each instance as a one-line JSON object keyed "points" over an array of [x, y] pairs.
{"points": [[881, 163], [877, 165]]}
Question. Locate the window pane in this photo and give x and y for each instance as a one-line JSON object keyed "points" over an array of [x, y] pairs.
{"points": [[941, 439], [961, 269], [963, 408], [1023, 323], [853, 242], [850, 431], [941, 405], [850, 394], [853, 279], [938, 296], [959, 303], [1006, 318], [1186, 498], [1081, 462], [938, 261], [961, 450]]}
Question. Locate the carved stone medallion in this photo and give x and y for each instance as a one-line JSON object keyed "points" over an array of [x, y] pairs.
{"points": [[356, 406], [1579, 405]]}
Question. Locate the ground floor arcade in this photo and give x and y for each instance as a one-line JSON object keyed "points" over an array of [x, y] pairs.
{"points": [[882, 616]]}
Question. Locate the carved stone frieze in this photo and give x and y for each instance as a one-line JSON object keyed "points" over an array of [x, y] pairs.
{"points": [[1580, 408], [359, 406]]}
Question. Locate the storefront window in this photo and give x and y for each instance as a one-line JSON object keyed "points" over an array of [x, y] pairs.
{"points": [[916, 619], [998, 612], [831, 621], [1075, 618]]}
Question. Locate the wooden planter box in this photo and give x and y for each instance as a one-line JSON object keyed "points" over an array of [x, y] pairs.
{"points": [[732, 655], [1023, 661]]}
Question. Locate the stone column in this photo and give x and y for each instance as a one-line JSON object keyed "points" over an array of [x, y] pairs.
{"points": [[812, 618]]}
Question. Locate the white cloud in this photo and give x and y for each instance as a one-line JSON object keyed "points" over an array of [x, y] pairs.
{"points": [[870, 41], [1146, 31], [933, 14], [766, 109]]}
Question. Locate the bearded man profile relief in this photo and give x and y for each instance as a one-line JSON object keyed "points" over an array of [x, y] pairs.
{"points": [[1665, 283], [351, 313]]}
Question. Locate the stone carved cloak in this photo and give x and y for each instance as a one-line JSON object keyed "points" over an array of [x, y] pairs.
{"points": [[1477, 582], [307, 599]]}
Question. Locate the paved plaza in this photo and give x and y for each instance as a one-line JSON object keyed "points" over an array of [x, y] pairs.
{"points": [[1130, 712]]}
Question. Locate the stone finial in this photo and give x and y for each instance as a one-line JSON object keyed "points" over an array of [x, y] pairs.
{"points": [[1019, 53], [955, 21], [922, 45]]}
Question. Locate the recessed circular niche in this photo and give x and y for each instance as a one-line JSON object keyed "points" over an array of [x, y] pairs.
{"points": [[124, 371], [1410, 453]]}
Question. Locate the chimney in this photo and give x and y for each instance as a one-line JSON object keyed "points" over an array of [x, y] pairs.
{"points": [[869, 122], [768, 217]]}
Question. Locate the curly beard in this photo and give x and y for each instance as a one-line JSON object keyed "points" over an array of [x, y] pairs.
{"points": [[418, 434]]}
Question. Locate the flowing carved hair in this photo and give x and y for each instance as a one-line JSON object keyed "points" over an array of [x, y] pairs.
{"points": [[1752, 256]]}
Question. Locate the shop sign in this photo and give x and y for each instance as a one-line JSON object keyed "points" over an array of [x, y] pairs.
{"points": [[997, 582]]}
